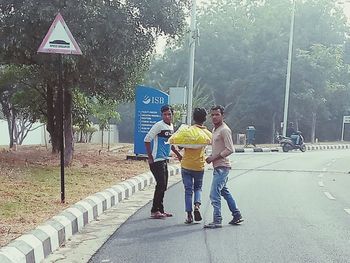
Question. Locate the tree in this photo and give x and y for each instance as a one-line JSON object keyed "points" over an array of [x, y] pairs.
{"points": [[242, 61], [82, 112], [104, 110], [117, 39], [320, 80], [16, 99]]}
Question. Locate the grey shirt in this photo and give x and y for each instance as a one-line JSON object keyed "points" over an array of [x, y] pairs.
{"points": [[222, 145]]}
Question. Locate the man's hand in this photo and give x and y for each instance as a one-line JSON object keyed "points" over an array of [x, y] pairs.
{"points": [[150, 159], [178, 155], [209, 159]]}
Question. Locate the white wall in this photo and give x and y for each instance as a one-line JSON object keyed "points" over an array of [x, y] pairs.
{"points": [[4, 134], [113, 135], [37, 136]]}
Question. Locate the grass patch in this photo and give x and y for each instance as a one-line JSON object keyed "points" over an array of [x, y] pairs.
{"points": [[30, 182]]}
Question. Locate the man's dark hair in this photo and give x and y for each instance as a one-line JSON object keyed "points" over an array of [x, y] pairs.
{"points": [[199, 115], [218, 107], [166, 108]]}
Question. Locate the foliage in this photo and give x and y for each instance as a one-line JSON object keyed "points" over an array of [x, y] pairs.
{"points": [[116, 38], [104, 110], [241, 61], [82, 110], [17, 99]]}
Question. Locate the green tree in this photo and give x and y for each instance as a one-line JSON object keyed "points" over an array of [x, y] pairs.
{"points": [[82, 112], [319, 81], [116, 38], [17, 99], [104, 110], [241, 60]]}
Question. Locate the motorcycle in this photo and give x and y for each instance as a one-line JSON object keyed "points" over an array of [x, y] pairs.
{"points": [[295, 142]]}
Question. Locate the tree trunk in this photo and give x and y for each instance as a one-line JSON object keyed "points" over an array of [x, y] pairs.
{"points": [[52, 125], [273, 127], [313, 127], [68, 127], [12, 124], [6, 109], [24, 127], [102, 137]]}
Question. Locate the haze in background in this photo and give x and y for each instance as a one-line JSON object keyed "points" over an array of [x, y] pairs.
{"points": [[161, 42]]}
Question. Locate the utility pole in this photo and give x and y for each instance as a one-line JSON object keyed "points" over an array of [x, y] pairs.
{"points": [[192, 45], [289, 68]]}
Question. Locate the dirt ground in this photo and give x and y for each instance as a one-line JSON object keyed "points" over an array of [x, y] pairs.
{"points": [[30, 182]]}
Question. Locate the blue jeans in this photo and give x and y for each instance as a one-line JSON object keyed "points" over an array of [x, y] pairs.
{"points": [[218, 189], [192, 181]]}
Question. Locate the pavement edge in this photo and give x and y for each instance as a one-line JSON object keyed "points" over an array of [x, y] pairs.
{"points": [[309, 147], [36, 245]]}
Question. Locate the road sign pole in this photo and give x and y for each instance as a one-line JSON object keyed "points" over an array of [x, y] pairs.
{"points": [[342, 129], [59, 40], [61, 98]]}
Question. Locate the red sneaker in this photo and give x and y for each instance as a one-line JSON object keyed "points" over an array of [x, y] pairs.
{"points": [[158, 215]]}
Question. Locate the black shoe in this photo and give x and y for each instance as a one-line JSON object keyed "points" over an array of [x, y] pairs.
{"points": [[237, 218], [197, 215], [189, 219]]}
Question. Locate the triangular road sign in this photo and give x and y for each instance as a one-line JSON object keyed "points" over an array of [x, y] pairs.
{"points": [[59, 39]]}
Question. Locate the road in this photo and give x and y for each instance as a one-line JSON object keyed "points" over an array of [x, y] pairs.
{"points": [[296, 208]]}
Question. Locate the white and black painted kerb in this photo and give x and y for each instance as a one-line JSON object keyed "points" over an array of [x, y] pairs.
{"points": [[309, 147], [36, 245], [327, 147], [256, 149]]}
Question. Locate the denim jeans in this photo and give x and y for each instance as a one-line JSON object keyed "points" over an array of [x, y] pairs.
{"points": [[192, 181], [218, 189], [159, 170]]}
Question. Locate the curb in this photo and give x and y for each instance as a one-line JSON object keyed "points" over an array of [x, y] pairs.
{"points": [[308, 148], [36, 245], [255, 149], [327, 147]]}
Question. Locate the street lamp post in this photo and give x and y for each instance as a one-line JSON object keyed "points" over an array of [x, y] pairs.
{"points": [[192, 45], [289, 67]]}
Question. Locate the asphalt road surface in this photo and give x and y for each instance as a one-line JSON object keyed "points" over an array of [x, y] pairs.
{"points": [[296, 208]]}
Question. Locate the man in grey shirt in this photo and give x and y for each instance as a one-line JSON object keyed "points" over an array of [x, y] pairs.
{"points": [[222, 147]]}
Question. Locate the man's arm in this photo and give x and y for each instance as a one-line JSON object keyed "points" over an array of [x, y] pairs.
{"points": [[229, 149], [149, 152], [179, 156], [148, 138]]}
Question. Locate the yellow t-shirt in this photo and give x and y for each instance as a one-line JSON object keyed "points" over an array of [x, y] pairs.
{"points": [[194, 159]]}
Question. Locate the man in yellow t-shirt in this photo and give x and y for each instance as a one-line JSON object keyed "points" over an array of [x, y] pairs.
{"points": [[192, 171]]}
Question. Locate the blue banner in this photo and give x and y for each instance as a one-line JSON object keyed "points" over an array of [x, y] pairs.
{"points": [[147, 112]]}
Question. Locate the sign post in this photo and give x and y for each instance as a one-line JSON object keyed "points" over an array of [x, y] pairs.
{"points": [[346, 119], [59, 40]]}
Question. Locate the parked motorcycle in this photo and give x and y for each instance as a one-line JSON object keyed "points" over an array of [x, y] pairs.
{"points": [[295, 142]]}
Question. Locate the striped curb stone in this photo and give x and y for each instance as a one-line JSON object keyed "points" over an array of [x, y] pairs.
{"points": [[327, 147], [36, 245], [309, 147], [255, 149]]}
